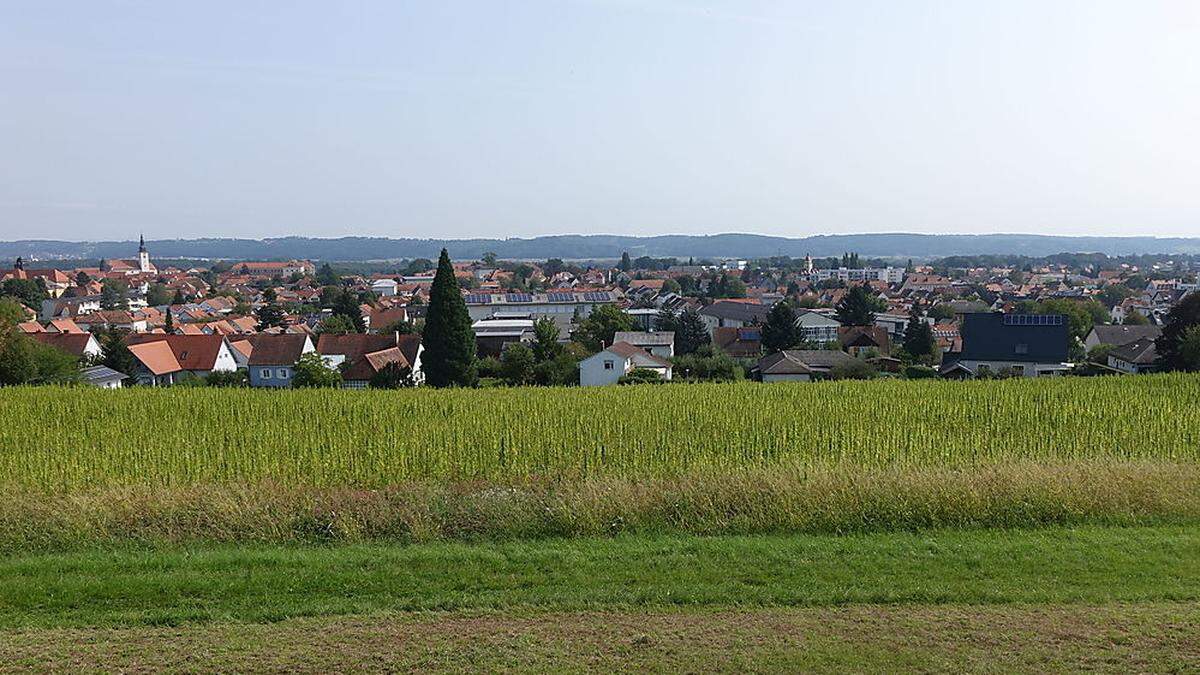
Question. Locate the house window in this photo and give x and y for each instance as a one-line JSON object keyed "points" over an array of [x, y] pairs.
{"points": [[265, 373], [1022, 348], [1018, 370], [609, 365], [281, 373]]}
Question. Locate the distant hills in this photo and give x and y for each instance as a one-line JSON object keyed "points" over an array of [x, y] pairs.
{"points": [[918, 246]]}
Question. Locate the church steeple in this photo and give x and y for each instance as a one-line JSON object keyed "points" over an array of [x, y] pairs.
{"points": [[20, 264], [144, 265]]}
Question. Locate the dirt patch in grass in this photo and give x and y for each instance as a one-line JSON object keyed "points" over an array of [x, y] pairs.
{"points": [[1113, 638]]}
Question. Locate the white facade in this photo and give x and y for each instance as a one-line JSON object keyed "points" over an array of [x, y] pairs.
{"points": [[787, 377], [385, 288], [1022, 368], [607, 366], [817, 328], [891, 275], [658, 343]]}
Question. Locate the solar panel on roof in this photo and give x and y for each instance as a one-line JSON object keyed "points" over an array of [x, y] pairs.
{"points": [[479, 299], [595, 296], [519, 297], [561, 297], [1033, 319]]}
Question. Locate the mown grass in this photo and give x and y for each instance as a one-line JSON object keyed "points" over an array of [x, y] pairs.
{"points": [[264, 583], [1122, 638], [761, 501], [64, 439]]}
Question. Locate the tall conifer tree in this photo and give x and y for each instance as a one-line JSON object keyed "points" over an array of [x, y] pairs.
{"points": [[449, 357]]}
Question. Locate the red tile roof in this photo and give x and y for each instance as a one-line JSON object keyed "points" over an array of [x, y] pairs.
{"points": [[74, 344], [157, 357], [191, 352]]}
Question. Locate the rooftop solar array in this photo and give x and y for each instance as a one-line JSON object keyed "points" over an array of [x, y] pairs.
{"points": [[595, 296], [561, 297], [479, 299], [1033, 319], [518, 297]]}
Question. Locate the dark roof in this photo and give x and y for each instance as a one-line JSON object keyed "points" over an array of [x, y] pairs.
{"points": [[640, 338], [283, 349], [1140, 352], [737, 311], [71, 343], [409, 345], [353, 345], [365, 354], [802, 361], [1123, 335], [864, 336], [193, 352], [1014, 337], [965, 306], [738, 342], [100, 374]]}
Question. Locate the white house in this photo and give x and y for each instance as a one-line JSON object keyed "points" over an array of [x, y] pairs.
{"points": [[536, 305], [607, 366], [891, 275], [384, 288], [165, 359], [102, 377], [816, 327], [658, 343]]}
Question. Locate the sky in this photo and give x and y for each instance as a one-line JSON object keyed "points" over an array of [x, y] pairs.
{"points": [[506, 118]]}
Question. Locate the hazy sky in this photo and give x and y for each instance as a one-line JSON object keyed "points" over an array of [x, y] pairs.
{"points": [[510, 118]]}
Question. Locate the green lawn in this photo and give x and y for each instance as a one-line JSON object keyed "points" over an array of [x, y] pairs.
{"points": [[264, 584]]}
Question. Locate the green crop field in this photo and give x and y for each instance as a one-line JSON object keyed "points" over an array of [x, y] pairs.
{"points": [[67, 438], [1019, 525]]}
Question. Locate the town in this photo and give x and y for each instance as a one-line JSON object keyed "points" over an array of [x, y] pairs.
{"points": [[297, 323]]}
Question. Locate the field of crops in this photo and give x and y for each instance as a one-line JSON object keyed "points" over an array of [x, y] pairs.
{"points": [[70, 438]]}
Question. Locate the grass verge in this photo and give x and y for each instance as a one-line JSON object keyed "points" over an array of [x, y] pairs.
{"points": [[841, 499], [264, 584]]}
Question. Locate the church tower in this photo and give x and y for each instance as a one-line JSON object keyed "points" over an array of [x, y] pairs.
{"points": [[143, 256], [808, 266]]}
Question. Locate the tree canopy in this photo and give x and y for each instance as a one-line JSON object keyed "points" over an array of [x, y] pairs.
{"points": [[597, 330], [1177, 341], [857, 308], [270, 314], [918, 336], [311, 372], [780, 331]]}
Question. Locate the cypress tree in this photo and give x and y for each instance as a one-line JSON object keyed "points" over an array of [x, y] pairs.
{"points": [[169, 326], [449, 358]]}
